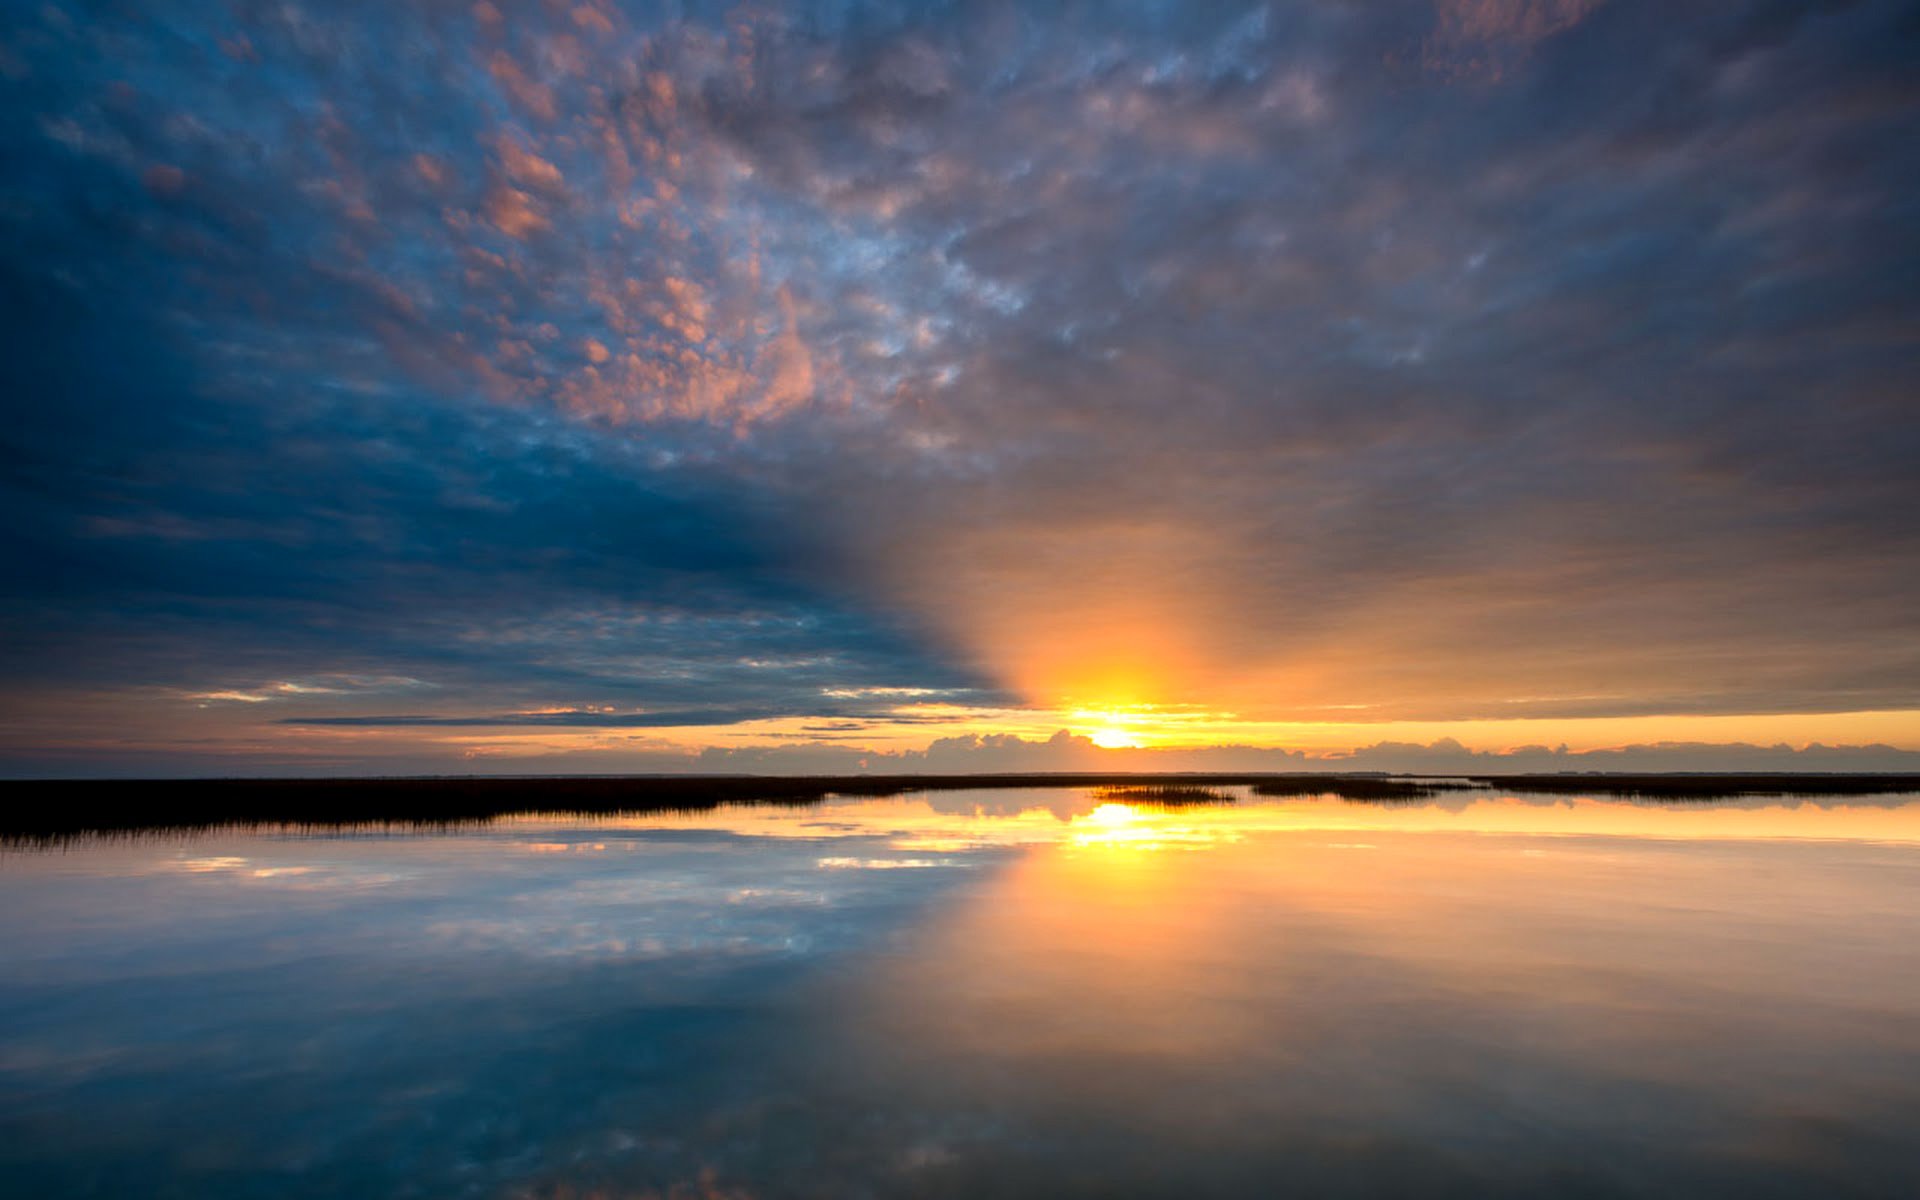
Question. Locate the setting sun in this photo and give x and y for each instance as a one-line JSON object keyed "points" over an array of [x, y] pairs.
{"points": [[1114, 733]]}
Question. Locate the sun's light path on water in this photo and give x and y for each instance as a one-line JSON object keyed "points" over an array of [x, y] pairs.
{"points": [[1116, 825]]}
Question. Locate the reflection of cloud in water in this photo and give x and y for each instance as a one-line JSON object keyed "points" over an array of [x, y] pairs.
{"points": [[1488, 1001], [1064, 803], [599, 940], [776, 896], [202, 866], [306, 876]]}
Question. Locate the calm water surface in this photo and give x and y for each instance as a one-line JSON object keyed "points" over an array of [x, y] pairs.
{"points": [[988, 993]]}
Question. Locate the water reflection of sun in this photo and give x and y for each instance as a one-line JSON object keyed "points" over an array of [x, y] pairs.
{"points": [[957, 821], [1114, 826], [1099, 948], [1110, 824]]}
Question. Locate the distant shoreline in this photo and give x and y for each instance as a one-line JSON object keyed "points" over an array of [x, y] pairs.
{"points": [[33, 810]]}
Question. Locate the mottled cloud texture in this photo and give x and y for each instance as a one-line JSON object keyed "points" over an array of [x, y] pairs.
{"points": [[380, 371]]}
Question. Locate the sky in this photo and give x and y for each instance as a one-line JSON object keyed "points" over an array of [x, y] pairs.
{"points": [[419, 387]]}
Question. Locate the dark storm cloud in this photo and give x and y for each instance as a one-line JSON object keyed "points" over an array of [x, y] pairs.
{"points": [[1486, 356]]}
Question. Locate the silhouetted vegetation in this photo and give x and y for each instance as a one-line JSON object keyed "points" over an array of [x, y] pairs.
{"points": [[1168, 795], [53, 810], [1357, 787], [1702, 787]]}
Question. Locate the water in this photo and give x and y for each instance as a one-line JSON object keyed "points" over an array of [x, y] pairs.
{"points": [[967, 994]]}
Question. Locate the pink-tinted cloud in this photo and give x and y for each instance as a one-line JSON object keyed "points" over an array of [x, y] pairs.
{"points": [[533, 96], [1484, 39]]}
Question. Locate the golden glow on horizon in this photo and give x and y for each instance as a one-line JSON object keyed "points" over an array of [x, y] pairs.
{"points": [[1146, 633], [1112, 730], [1130, 735], [1144, 726], [1147, 729]]}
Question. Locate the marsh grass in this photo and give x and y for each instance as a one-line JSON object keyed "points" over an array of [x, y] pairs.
{"points": [[1165, 795], [49, 812], [1701, 787], [1358, 787]]}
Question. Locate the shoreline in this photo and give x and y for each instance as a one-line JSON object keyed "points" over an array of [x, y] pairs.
{"points": [[55, 809]]}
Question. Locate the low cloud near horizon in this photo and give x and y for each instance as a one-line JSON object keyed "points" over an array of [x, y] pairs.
{"points": [[1069, 752], [1063, 752]]}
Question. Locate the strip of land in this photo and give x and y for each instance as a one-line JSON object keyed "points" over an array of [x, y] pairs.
{"points": [[54, 810]]}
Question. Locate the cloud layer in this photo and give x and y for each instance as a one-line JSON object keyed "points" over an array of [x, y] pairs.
{"points": [[439, 366]]}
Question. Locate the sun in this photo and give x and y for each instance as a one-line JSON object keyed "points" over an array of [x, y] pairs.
{"points": [[1115, 730]]}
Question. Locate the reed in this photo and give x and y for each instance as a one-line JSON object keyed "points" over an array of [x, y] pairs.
{"points": [[1357, 787], [1167, 795]]}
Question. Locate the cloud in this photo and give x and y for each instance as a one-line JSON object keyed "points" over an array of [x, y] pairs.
{"points": [[1238, 357], [515, 213], [1067, 752], [533, 96], [564, 718], [528, 169], [1486, 38]]}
